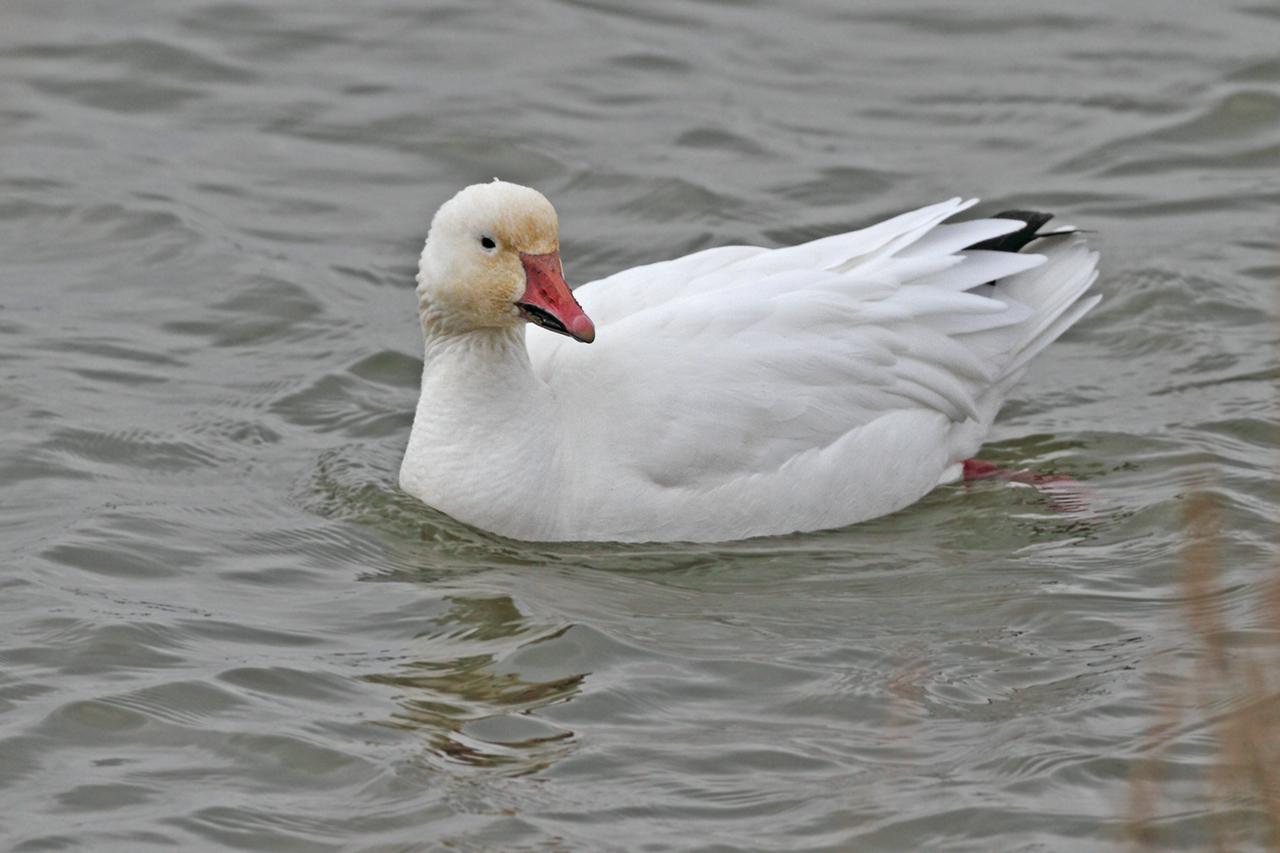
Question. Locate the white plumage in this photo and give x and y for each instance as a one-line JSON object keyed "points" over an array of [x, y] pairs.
{"points": [[743, 391]]}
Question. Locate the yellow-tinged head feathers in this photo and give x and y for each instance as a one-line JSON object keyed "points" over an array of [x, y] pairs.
{"points": [[471, 274], [512, 215]]}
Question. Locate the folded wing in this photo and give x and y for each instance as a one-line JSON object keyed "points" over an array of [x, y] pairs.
{"points": [[727, 366]]}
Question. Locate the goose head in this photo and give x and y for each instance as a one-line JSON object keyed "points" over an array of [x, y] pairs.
{"points": [[492, 261]]}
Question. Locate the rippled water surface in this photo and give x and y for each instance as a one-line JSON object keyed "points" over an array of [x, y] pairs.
{"points": [[223, 627]]}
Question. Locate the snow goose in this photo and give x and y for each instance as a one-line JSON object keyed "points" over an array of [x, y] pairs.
{"points": [[734, 392]]}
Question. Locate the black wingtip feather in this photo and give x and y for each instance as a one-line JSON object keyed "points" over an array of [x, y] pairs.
{"points": [[1015, 241]]}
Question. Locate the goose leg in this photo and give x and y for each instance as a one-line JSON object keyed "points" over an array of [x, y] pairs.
{"points": [[1065, 493]]}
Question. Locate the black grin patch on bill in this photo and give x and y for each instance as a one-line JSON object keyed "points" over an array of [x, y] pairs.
{"points": [[542, 318]]}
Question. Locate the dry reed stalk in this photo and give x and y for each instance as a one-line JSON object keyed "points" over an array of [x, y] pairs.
{"points": [[1247, 683], [1247, 732]]}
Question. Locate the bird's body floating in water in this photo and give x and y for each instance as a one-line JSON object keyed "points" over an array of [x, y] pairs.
{"points": [[734, 392]]}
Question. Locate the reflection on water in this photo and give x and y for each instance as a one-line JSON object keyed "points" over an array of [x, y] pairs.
{"points": [[468, 712], [223, 626]]}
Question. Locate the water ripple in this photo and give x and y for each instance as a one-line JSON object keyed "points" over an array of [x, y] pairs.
{"points": [[226, 627]]}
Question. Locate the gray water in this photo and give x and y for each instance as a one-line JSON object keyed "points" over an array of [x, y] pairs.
{"points": [[223, 627]]}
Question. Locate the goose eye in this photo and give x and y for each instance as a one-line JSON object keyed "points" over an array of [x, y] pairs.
{"points": [[487, 242]]}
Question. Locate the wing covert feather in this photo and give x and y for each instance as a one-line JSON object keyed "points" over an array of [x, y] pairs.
{"points": [[734, 362]]}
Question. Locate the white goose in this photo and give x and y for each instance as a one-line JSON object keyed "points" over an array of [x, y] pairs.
{"points": [[734, 392]]}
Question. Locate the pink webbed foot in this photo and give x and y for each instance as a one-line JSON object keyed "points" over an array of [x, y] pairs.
{"points": [[1065, 493]]}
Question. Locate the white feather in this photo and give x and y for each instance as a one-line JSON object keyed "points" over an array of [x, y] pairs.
{"points": [[740, 391]]}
